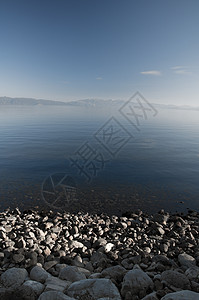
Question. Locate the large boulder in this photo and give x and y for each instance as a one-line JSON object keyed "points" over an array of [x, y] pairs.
{"points": [[182, 295], [56, 284], [162, 259], [14, 277], [35, 286], [29, 290], [116, 272], [186, 260], [192, 273], [151, 296], [136, 281], [71, 273], [39, 274], [54, 295], [94, 289], [9, 294], [176, 279]]}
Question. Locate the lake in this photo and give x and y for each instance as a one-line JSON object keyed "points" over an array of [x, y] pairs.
{"points": [[95, 159]]}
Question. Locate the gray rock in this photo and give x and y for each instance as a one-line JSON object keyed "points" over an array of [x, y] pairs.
{"points": [[126, 264], [49, 264], [116, 272], [55, 284], [136, 259], [182, 295], [192, 273], [88, 266], [95, 275], [71, 273], [151, 296], [135, 281], [39, 274], [94, 289], [176, 279], [160, 218], [30, 290], [33, 258], [37, 287], [14, 276], [59, 267], [16, 293], [162, 259], [194, 286], [84, 271], [97, 257], [54, 295], [18, 258], [6, 294], [164, 247], [186, 260], [77, 261], [20, 243]]}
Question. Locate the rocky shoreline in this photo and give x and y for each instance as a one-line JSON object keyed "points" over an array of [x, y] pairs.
{"points": [[60, 256]]}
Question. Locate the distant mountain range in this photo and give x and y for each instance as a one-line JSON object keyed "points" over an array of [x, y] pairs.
{"points": [[28, 101], [32, 101], [82, 103]]}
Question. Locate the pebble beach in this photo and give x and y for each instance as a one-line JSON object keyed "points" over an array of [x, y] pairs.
{"points": [[50, 255]]}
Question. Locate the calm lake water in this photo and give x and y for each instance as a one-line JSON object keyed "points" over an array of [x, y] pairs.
{"points": [[108, 164]]}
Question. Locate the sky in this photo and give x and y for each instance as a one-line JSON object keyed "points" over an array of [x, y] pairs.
{"points": [[106, 49]]}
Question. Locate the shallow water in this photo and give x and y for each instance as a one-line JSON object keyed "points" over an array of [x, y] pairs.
{"points": [[155, 167]]}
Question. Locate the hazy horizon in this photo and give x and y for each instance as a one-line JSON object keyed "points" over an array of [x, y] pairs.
{"points": [[103, 100]]}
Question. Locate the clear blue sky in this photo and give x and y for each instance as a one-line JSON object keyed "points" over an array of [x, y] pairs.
{"points": [[75, 49]]}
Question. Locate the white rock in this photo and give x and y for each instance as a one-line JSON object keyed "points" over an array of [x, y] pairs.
{"points": [[40, 234], [108, 247], [135, 281], [39, 274], [182, 295], [96, 288], [161, 230], [54, 295], [75, 244], [14, 276], [71, 273]]}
